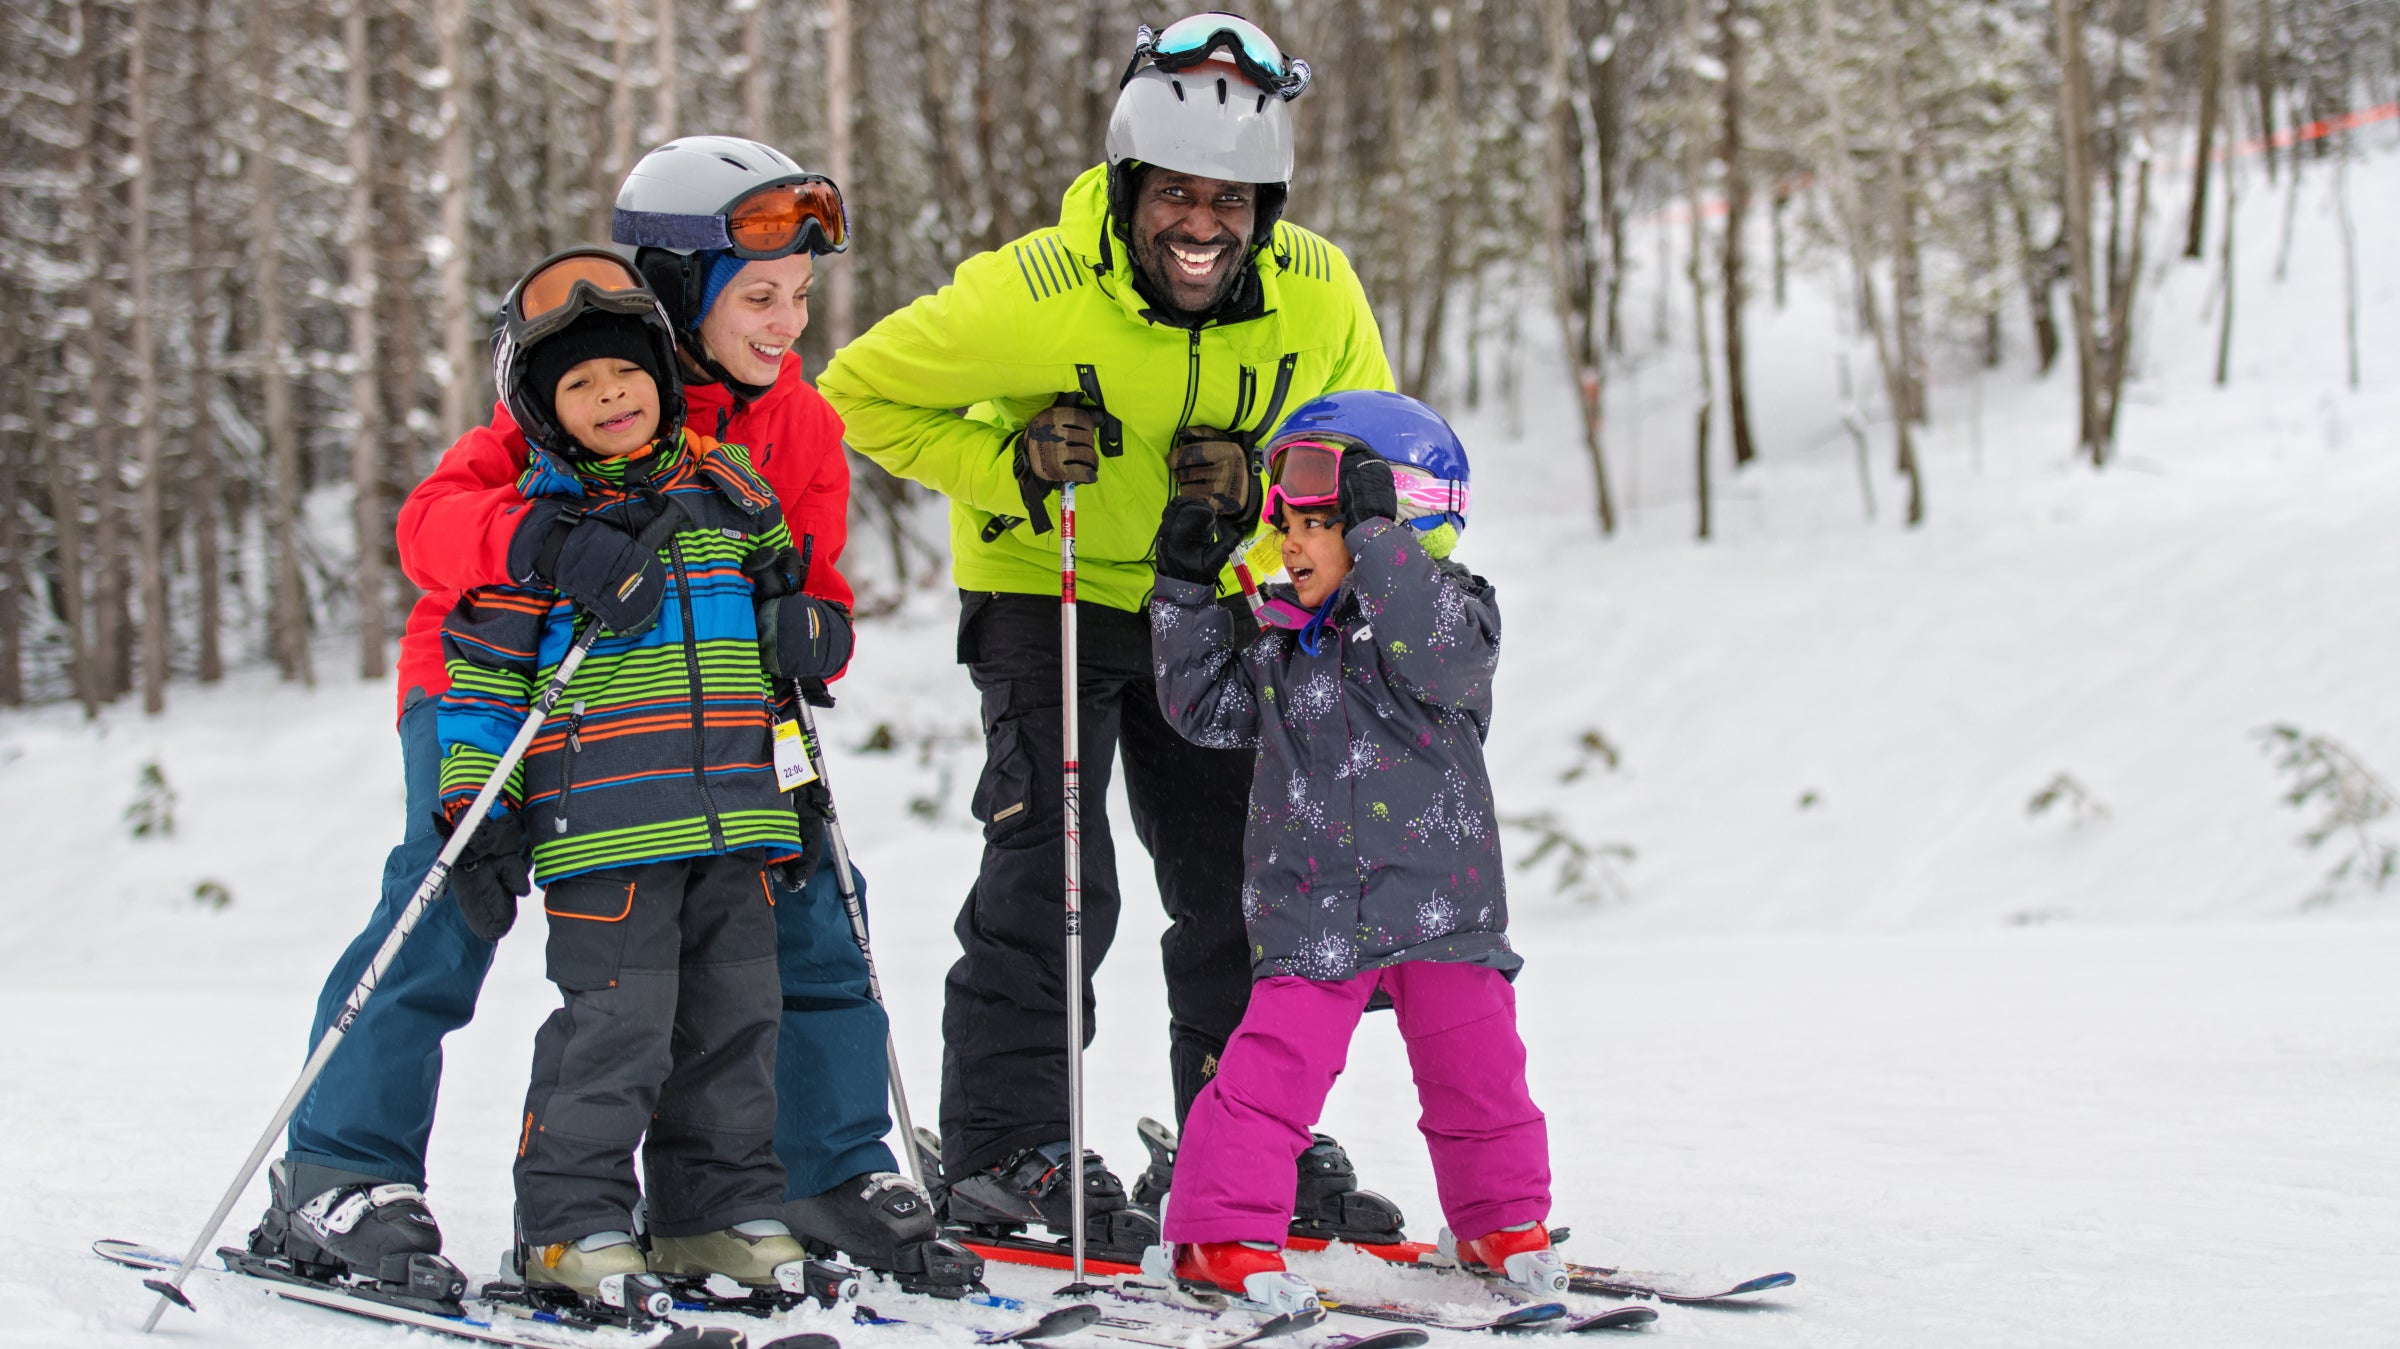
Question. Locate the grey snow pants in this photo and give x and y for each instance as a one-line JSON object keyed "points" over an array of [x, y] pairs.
{"points": [[668, 1029]]}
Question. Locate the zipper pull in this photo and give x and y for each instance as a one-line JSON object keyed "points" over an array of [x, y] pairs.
{"points": [[575, 727]]}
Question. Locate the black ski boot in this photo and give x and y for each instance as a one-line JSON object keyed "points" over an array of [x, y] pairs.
{"points": [[1031, 1187], [335, 1226], [1330, 1205], [881, 1221]]}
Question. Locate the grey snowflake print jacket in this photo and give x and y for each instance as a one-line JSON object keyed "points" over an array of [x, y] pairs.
{"points": [[1371, 838]]}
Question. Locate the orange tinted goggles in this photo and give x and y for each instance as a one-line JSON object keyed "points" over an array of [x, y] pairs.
{"points": [[550, 287], [776, 220]]}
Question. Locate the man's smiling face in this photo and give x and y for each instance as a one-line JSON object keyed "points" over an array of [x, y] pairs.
{"points": [[1191, 237]]}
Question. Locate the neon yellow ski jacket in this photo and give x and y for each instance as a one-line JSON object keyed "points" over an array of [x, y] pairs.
{"points": [[1056, 312]]}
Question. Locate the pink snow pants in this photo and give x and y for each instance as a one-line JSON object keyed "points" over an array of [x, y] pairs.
{"points": [[1239, 1162]]}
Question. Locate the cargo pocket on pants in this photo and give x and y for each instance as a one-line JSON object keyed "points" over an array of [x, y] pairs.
{"points": [[1004, 794], [587, 930]]}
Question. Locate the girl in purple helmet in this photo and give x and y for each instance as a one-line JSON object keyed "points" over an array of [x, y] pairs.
{"points": [[1372, 871]]}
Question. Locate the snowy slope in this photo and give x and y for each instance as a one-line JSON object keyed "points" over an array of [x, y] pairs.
{"points": [[1980, 1078]]}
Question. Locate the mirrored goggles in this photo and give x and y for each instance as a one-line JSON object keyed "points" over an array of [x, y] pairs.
{"points": [[772, 221], [1188, 42], [1303, 473], [558, 291]]}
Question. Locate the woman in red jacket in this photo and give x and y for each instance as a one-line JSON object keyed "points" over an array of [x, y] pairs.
{"points": [[725, 231]]}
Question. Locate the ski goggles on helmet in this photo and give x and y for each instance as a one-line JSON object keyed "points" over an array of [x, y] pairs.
{"points": [[1188, 42], [1306, 472], [778, 219], [564, 287]]}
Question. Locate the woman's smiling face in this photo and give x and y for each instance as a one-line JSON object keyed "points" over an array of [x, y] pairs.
{"points": [[758, 316]]}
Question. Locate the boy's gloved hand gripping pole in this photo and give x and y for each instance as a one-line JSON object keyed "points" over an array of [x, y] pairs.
{"points": [[170, 1289]]}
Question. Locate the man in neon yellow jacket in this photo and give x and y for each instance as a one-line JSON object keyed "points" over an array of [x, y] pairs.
{"points": [[1145, 345]]}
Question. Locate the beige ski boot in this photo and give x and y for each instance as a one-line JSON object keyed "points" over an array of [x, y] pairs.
{"points": [[605, 1268], [759, 1254]]}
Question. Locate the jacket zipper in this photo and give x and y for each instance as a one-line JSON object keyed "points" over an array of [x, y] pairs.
{"points": [[691, 664], [566, 788], [1191, 385]]}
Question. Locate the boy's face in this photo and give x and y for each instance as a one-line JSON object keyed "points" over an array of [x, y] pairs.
{"points": [[1314, 554], [609, 405]]}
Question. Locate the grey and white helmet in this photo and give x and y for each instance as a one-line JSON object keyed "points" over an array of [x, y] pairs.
{"points": [[716, 195], [1207, 120]]}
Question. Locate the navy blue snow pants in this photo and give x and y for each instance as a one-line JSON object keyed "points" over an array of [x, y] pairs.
{"points": [[371, 1110]]}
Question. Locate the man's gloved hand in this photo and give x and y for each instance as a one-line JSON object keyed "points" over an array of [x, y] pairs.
{"points": [[1058, 445], [1209, 463], [1367, 490], [1197, 538], [803, 637], [489, 877], [592, 560]]}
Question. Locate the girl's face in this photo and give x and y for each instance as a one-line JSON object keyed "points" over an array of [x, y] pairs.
{"points": [[1315, 555], [758, 316]]}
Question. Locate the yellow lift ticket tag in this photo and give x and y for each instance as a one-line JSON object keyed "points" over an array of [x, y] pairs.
{"points": [[1265, 556], [792, 768]]}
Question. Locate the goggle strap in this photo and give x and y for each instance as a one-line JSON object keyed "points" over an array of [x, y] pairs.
{"points": [[663, 229]]}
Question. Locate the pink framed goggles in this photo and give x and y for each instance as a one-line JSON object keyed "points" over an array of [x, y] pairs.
{"points": [[1308, 473]]}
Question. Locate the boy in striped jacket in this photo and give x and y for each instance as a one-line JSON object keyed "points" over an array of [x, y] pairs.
{"points": [[650, 806]]}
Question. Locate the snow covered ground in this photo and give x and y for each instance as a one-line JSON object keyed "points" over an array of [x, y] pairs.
{"points": [[1979, 1077]]}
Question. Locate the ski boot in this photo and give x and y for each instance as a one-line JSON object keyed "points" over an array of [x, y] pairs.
{"points": [[1031, 1187], [1521, 1255], [761, 1256], [881, 1221], [1251, 1272], [333, 1226], [1329, 1204], [603, 1274]]}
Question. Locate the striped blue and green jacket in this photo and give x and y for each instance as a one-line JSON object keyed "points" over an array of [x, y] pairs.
{"points": [[663, 744]]}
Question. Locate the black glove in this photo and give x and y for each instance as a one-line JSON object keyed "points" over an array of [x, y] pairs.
{"points": [[1367, 490], [489, 877], [1197, 538], [775, 573], [814, 805], [803, 637], [1210, 463], [593, 560]]}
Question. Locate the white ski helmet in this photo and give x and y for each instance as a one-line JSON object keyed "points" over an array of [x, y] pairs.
{"points": [[721, 194], [1202, 110]]}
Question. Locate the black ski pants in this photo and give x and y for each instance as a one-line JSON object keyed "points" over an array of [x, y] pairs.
{"points": [[668, 1029], [1004, 1017]]}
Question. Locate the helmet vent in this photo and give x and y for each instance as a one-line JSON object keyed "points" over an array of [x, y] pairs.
{"points": [[1221, 93], [1178, 84], [729, 159], [1262, 103]]}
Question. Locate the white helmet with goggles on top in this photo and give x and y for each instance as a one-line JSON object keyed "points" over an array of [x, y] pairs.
{"points": [[1206, 96]]}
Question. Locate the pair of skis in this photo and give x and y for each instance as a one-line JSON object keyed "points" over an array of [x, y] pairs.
{"points": [[529, 1326]]}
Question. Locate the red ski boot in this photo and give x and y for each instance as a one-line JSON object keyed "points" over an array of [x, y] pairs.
{"points": [[1521, 1255], [1249, 1270]]}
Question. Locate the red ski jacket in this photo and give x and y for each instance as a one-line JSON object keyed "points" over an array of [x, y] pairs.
{"points": [[456, 526]]}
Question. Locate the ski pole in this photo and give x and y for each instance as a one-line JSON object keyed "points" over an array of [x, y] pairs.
{"points": [[1071, 767], [855, 905], [171, 1289]]}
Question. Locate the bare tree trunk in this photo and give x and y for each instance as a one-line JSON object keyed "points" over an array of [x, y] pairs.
{"points": [[2233, 176], [366, 394], [1444, 260], [2212, 69], [204, 488], [1852, 208], [110, 667], [145, 363], [460, 378], [1570, 243], [2341, 215], [1399, 64], [16, 408], [1695, 177], [2264, 72], [842, 313], [754, 68], [1737, 214], [665, 99], [289, 605], [2121, 298], [1775, 209], [2039, 270], [67, 443], [2075, 133], [608, 171]]}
